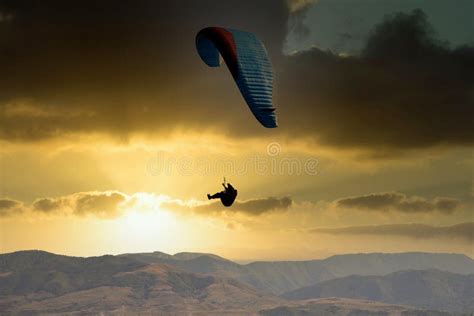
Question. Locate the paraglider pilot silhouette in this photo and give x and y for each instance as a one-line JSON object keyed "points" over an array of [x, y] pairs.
{"points": [[227, 196]]}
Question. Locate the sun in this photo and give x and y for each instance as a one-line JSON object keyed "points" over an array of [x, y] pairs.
{"points": [[144, 225], [144, 213]]}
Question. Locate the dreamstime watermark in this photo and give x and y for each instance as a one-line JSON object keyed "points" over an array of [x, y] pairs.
{"points": [[272, 163]]}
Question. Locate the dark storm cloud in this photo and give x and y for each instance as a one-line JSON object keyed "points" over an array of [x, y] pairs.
{"points": [[299, 5], [399, 202], [299, 9], [121, 67], [463, 231], [9, 207], [5, 17], [253, 207], [406, 90]]}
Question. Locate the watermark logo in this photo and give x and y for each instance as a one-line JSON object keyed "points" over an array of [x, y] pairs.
{"points": [[272, 163], [273, 149]]}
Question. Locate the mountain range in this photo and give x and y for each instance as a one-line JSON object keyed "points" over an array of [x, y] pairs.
{"points": [[421, 283], [282, 276]]}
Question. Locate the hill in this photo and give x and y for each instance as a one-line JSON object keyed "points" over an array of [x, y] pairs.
{"points": [[39, 282], [343, 307], [430, 289]]}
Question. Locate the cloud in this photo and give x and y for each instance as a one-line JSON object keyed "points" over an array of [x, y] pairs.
{"points": [[6, 17], [463, 231], [139, 74], [112, 204], [297, 5], [101, 204], [399, 202], [298, 10], [47, 205], [10, 207], [259, 206], [252, 207], [105, 205], [408, 90]]}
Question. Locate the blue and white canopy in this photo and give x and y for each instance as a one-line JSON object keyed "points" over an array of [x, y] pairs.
{"points": [[248, 62]]}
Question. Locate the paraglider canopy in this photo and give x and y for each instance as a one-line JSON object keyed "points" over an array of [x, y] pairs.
{"points": [[248, 62]]}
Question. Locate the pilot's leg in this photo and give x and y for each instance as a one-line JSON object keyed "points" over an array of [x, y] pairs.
{"points": [[215, 196]]}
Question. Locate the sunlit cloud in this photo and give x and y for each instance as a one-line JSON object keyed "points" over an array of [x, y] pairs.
{"points": [[101, 204], [113, 204]]}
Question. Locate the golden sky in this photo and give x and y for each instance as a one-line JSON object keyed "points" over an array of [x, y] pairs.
{"points": [[112, 133]]}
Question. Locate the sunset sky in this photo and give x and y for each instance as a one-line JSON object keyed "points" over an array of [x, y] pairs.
{"points": [[112, 129]]}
